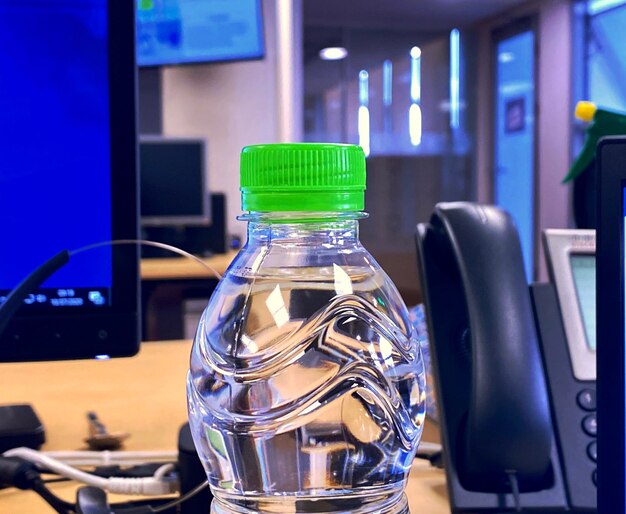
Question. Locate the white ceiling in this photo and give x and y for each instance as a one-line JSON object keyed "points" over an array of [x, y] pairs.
{"points": [[423, 15]]}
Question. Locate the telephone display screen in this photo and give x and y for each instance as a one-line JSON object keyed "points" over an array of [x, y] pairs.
{"points": [[584, 273]]}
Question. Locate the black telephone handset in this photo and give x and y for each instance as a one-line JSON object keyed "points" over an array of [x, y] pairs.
{"points": [[497, 432]]}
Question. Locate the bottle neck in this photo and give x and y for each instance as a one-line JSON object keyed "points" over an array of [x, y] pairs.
{"points": [[304, 229]]}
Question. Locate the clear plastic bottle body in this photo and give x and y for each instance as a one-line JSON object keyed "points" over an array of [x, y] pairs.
{"points": [[306, 381]]}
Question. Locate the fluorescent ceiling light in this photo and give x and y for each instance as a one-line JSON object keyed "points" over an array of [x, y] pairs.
{"points": [[333, 53], [415, 124], [599, 6], [363, 124], [416, 74], [455, 77]]}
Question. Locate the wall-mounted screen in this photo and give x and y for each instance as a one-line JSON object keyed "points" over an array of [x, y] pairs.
{"points": [[192, 31]]}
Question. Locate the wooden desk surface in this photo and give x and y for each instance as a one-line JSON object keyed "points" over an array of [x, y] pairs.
{"points": [[143, 395], [178, 268]]}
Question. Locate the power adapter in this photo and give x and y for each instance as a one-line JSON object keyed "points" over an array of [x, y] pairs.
{"points": [[20, 426]]}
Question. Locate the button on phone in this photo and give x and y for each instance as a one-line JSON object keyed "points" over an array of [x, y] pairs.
{"points": [[587, 399], [592, 451], [590, 425]]}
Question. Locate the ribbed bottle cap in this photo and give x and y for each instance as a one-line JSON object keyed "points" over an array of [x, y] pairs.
{"points": [[306, 177]]}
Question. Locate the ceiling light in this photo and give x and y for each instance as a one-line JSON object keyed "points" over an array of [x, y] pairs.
{"points": [[333, 53], [599, 6], [505, 57]]}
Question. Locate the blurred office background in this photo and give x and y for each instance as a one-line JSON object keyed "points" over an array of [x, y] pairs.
{"points": [[451, 100]]}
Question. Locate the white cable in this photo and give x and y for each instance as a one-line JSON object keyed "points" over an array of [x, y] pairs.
{"points": [[149, 486], [109, 458], [148, 243], [162, 472]]}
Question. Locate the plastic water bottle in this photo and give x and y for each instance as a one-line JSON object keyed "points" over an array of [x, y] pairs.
{"points": [[306, 382]]}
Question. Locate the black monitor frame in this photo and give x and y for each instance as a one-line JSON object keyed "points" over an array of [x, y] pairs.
{"points": [[611, 177], [113, 330]]}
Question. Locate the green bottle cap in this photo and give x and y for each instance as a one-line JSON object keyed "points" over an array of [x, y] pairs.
{"points": [[304, 177]]}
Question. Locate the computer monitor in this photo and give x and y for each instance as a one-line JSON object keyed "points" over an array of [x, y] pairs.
{"points": [[192, 31], [69, 176], [172, 184], [610, 293]]}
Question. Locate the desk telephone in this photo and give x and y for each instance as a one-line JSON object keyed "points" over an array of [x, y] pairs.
{"points": [[514, 366]]}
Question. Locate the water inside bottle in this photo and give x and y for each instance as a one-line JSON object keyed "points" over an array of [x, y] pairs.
{"points": [[302, 390]]}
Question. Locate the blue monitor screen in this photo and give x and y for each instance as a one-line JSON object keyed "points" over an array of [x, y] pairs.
{"points": [[191, 31], [55, 190]]}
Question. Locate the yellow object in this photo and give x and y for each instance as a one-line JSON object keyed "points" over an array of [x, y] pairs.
{"points": [[602, 122], [585, 110]]}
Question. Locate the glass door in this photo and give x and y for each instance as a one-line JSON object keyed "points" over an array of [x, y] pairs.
{"points": [[514, 132]]}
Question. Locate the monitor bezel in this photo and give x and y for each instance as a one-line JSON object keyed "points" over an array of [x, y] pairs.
{"points": [[560, 245], [192, 220], [113, 330], [234, 58], [611, 180]]}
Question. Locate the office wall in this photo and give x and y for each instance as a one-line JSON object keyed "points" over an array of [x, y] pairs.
{"points": [[555, 119], [554, 43], [149, 101], [231, 105]]}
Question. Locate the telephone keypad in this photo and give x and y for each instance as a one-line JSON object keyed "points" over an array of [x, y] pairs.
{"points": [[573, 400], [587, 399], [590, 425]]}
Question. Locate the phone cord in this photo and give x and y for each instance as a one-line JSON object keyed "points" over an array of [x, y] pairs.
{"points": [[514, 489]]}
